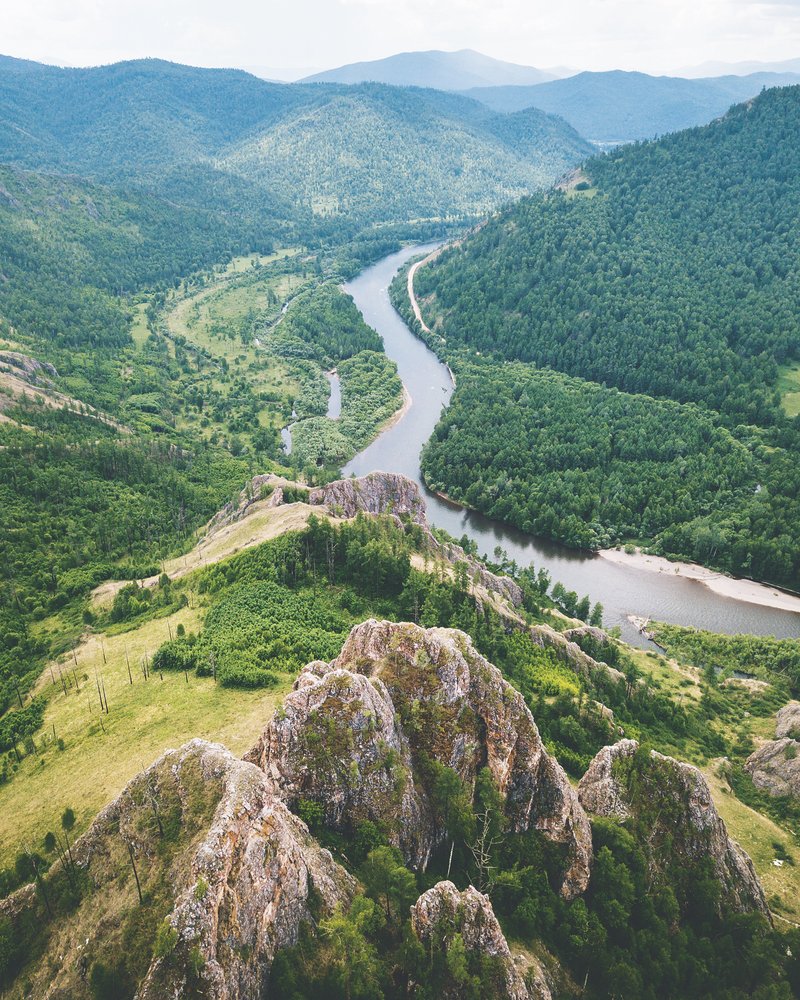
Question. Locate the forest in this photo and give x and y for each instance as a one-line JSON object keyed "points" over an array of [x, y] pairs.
{"points": [[646, 276]]}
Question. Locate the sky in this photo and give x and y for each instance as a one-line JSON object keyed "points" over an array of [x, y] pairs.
{"points": [[654, 36]]}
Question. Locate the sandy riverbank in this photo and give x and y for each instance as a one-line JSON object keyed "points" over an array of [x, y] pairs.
{"points": [[726, 586], [397, 416]]}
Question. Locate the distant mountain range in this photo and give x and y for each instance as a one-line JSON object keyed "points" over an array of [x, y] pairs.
{"points": [[441, 70], [225, 140], [740, 68], [620, 107]]}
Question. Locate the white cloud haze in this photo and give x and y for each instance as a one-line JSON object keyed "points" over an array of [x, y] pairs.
{"points": [[651, 35]]}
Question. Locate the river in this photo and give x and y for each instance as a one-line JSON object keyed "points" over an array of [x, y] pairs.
{"points": [[622, 590]]}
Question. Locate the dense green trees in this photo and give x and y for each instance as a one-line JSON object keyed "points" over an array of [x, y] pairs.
{"points": [[655, 281]]}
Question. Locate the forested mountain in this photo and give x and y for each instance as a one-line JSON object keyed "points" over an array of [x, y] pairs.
{"points": [[225, 140], [396, 153], [441, 70], [669, 269], [621, 107]]}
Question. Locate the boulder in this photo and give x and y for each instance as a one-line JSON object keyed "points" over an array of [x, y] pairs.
{"points": [[443, 912], [674, 802], [787, 721], [775, 767]]}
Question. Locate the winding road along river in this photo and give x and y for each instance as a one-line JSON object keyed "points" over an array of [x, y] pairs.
{"points": [[622, 590]]}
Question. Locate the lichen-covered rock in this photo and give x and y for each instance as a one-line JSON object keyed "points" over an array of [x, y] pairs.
{"points": [[787, 721], [377, 493], [600, 791], [775, 767], [27, 368], [443, 912], [266, 490], [673, 800], [337, 740], [401, 690], [241, 874]]}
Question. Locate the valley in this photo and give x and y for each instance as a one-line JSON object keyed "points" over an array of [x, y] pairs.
{"points": [[396, 498]]}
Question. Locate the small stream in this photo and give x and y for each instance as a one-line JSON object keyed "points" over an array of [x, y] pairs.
{"points": [[622, 590]]}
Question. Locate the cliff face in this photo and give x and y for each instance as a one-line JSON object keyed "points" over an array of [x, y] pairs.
{"points": [[377, 493], [442, 913], [673, 801], [352, 733], [239, 874]]}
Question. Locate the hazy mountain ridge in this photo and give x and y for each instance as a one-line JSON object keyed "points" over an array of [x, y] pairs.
{"points": [[442, 70], [274, 148], [620, 107]]}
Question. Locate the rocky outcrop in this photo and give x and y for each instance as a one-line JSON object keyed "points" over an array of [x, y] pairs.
{"points": [[570, 653], [28, 369], [673, 801], [787, 721], [600, 790], [265, 490], [203, 829], [377, 493], [337, 740], [352, 734], [443, 912], [775, 767]]}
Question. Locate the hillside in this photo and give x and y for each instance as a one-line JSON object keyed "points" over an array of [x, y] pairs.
{"points": [[645, 276], [440, 70], [622, 107], [412, 786], [393, 153], [298, 155]]}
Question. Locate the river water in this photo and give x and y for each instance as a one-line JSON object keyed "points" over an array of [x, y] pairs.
{"points": [[621, 590]]}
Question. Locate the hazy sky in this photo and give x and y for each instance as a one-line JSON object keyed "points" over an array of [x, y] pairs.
{"points": [[651, 35]]}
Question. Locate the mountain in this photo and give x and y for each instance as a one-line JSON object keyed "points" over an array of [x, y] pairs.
{"points": [[225, 140], [623, 107], [741, 68], [440, 70], [666, 275]]}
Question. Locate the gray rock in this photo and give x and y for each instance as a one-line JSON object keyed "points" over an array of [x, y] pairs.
{"points": [[377, 493], [787, 721], [398, 690], [775, 767], [686, 825], [443, 912]]}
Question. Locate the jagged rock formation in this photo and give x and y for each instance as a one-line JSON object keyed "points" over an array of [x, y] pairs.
{"points": [[788, 721], [256, 488], [443, 912], [28, 369], [351, 735], [242, 874], [674, 801], [377, 493], [775, 767]]}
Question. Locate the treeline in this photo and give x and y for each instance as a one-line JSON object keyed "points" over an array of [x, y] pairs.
{"points": [[594, 467]]}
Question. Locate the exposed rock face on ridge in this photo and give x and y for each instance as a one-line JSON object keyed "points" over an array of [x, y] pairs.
{"points": [[775, 767], [244, 874], [377, 493], [397, 691], [443, 912], [27, 368], [569, 652], [673, 799]]}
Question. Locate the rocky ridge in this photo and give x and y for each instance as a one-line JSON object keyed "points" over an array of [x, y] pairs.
{"points": [[443, 912], [352, 734], [673, 800], [243, 875]]}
